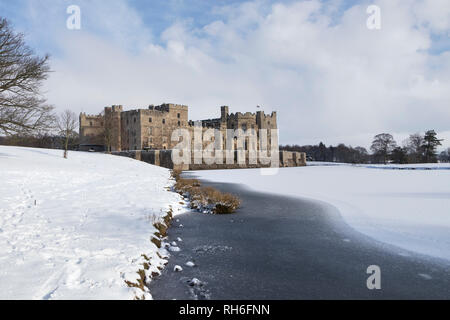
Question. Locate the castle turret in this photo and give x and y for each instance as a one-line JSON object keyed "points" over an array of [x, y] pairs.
{"points": [[224, 113]]}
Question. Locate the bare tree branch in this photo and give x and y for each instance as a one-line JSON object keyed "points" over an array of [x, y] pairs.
{"points": [[22, 107]]}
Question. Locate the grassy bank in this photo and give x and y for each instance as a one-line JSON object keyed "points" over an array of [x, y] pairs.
{"points": [[205, 199]]}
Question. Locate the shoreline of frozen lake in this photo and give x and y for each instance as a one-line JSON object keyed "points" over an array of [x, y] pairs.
{"points": [[279, 247], [406, 208]]}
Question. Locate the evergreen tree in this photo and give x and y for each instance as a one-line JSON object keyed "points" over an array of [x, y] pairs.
{"points": [[431, 142]]}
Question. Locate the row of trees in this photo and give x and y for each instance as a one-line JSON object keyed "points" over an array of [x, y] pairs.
{"points": [[416, 149], [25, 117], [339, 153]]}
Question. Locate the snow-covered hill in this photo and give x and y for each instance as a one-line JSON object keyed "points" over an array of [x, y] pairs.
{"points": [[76, 228], [406, 208]]}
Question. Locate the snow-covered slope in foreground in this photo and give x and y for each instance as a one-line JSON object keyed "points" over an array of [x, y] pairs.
{"points": [[76, 228], [407, 208]]}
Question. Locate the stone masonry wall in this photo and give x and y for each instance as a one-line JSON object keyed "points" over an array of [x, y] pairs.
{"points": [[163, 158]]}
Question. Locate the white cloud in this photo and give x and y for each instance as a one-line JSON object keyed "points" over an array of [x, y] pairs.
{"points": [[434, 14], [326, 78]]}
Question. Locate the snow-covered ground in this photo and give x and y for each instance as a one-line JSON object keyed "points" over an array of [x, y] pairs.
{"points": [[76, 228], [406, 208], [417, 166]]}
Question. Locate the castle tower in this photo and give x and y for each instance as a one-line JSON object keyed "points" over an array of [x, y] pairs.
{"points": [[224, 113], [260, 119], [113, 127]]}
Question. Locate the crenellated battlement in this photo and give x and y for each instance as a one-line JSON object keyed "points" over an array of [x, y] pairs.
{"points": [[151, 128], [84, 115]]}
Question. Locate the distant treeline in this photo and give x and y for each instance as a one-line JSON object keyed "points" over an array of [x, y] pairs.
{"points": [[416, 149], [384, 149], [43, 140], [339, 153]]}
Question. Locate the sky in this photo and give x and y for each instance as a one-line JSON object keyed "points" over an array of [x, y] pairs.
{"points": [[316, 63]]}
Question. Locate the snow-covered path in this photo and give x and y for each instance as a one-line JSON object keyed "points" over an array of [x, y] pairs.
{"points": [[76, 228], [406, 208]]}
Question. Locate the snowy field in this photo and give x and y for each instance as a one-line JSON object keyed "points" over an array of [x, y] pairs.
{"points": [[406, 208], [76, 228], [417, 166]]}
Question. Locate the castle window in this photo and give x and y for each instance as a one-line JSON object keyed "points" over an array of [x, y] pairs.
{"points": [[179, 115], [149, 119], [179, 123], [90, 123], [134, 119], [164, 121], [150, 131]]}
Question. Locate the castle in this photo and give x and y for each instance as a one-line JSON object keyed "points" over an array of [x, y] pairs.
{"points": [[147, 133]]}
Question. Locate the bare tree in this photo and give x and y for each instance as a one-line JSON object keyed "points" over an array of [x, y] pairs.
{"points": [[22, 107], [67, 124], [444, 156], [382, 145], [414, 147]]}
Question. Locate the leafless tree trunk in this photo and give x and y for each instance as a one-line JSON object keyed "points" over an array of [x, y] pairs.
{"points": [[22, 107], [67, 124]]}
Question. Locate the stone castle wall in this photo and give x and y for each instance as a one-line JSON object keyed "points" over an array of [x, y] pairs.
{"points": [[163, 158], [145, 134]]}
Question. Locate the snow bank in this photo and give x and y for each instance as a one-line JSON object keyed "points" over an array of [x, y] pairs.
{"points": [[406, 208], [76, 228]]}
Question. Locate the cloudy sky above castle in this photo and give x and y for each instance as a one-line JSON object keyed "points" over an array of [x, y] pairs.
{"points": [[330, 78]]}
